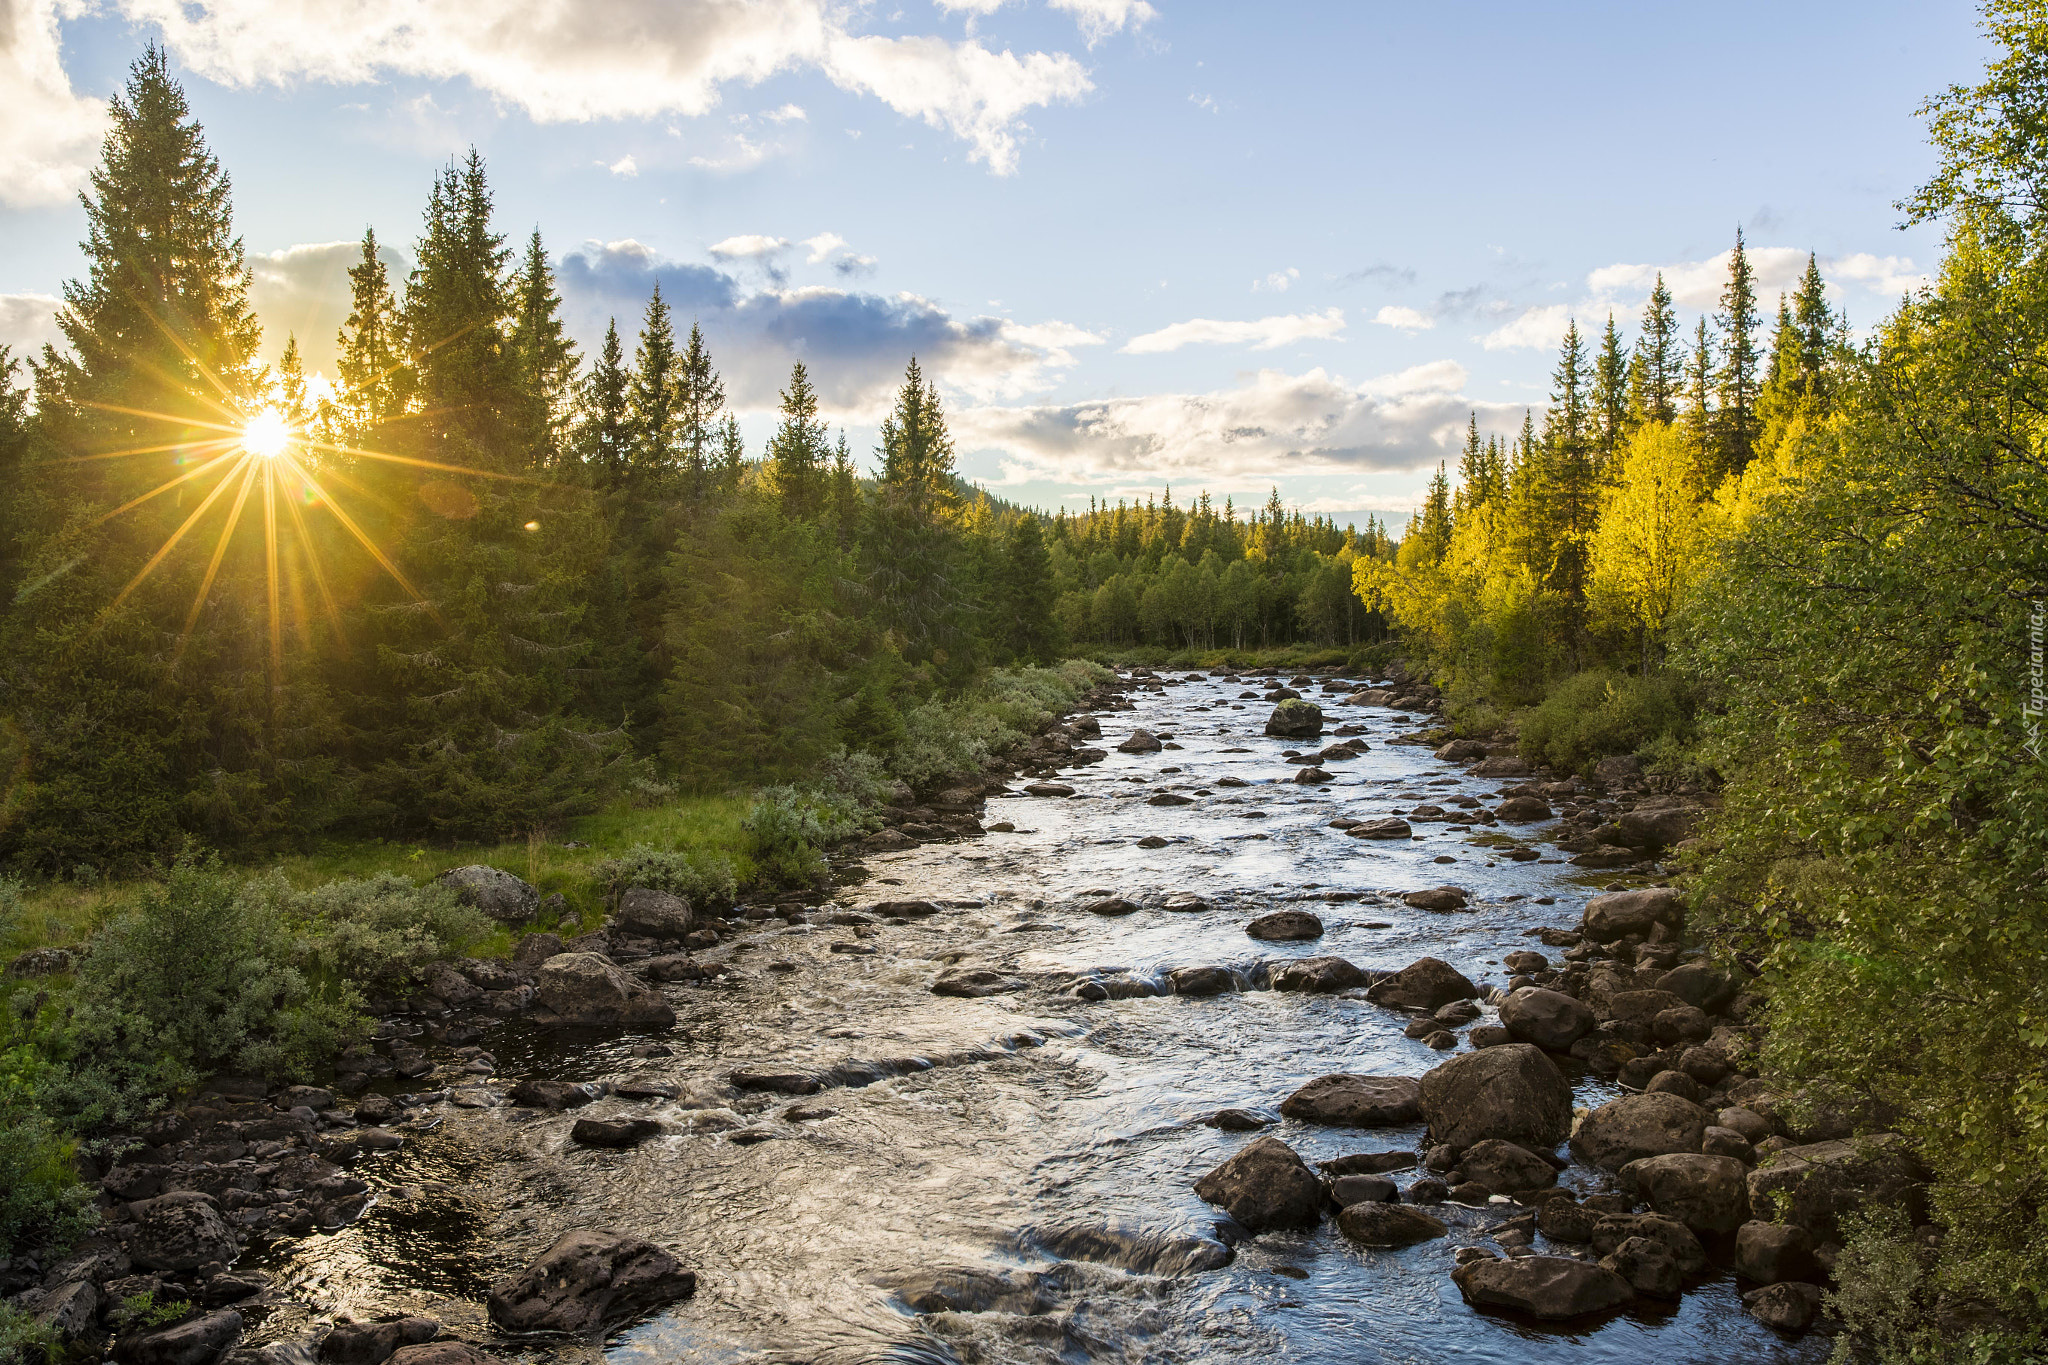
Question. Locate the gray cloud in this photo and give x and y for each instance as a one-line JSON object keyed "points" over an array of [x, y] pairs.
{"points": [[303, 291]]}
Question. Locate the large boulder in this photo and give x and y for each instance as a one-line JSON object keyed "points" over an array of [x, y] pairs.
{"points": [[1425, 984], [1706, 1193], [1522, 810], [1549, 1019], [1376, 1224], [1770, 1252], [1387, 827], [373, 1343], [180, 1231], [1656, 827], [1512, 1091], [1141, 742], [1502, 765], [1295, 719], [1638, 1126], [1265, 1186], [1285, 926], [195, 1341], [1506, 1167], [1643, 913], [1317, 974], [1550, 1287], [587, 1281], [1353, 1101], [1701, 984], [588, 988], [443, 1353], [1814, 1185], [654, 914], [1438, 899], [1648, 1266], [1789, 1305], [500, 895]]}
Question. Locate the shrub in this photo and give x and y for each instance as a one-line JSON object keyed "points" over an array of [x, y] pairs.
{"points": [[784, 830], [699, 880], [42, 1203], [1593, 714], [201, 974], [377, 931]]}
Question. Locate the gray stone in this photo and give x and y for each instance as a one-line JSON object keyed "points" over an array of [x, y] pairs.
{"points": [[1506, 1167], [180, 1231], [1551, 1287], [654, 914], [1815, 1185], [1375, 1224], [588, 988], [1317, 975], [1265, 1186], [1770, 1252], [1513, 1092], [587, 1281], [1285, 926], [1646, 912], [1549, 1019], [1706, 1193], [1294, 718], [1638, 1126], [196, 1341], [1353, 1101], [1426, 984], [502, 896]]}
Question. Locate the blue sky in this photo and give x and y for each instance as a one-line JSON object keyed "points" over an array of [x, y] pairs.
{"points": [[1218, 245]]}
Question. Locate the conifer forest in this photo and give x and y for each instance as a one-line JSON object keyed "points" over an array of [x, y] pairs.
{"points": [[495, 864]]}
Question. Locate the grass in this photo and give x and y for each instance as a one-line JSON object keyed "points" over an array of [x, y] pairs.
{"points": [[65, 914]]}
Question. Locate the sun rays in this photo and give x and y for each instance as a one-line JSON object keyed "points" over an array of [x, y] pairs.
{"points": [[259, 469]]}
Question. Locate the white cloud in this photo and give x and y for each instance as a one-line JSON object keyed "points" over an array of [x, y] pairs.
{"points": [[822, 246], [1698, 284], [748, 246], [744, 153], [977, 95], [28, 321], [977, 7], [1263, 335], [1277, 282], [788, 113], [578, 60], [1880, 274], [624, 167], [303, 291], [52, 134], [1100, 18], [1535, 328], [1274, 425], [1407, 319]]}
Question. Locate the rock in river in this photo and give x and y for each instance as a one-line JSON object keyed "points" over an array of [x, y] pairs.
{"points": [[1552, 1287], [1513, 1091], [196, 1341], [613, 1132], [1140, 742], [1437, 898], [1284, 926], [587, 1281], [1506, 1167], [1295, 719], [971, 983], [587, 988], [1425, 984], [1317, 975], [372, 1343], [1265, 1186], [1354, 1101], [1389, 827], [1376, 1224]]}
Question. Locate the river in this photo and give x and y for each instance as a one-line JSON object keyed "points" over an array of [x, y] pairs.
{"points": [[997, 1127]]}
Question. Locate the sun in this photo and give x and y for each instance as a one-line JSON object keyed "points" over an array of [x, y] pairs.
{"points": [[266, 433]]}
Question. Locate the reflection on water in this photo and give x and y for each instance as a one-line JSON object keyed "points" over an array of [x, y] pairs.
{"points": [[974, 1150]]}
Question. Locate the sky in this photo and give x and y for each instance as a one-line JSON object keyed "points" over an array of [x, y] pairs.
{"points": [[1137, 243]]}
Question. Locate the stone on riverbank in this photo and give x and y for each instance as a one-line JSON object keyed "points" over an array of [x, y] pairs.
{"points": [[1506, 1167], [1549, 1019], [588, 988], [1354, 1101], [654, 914], [1264, 1187], [1427, 983], [181, 1231], [373, 1343], [1770, 1252], [196, 1341], [1706, 1193], [1638, 1126], [1512, 1091], [1654, 912], [1550, 1287], [589, 1280], [1816, 1184], [1788, 1305], [500, 895]]}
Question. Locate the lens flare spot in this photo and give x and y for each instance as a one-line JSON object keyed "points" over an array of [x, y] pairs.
{"points": [[267, 434], [533, 526]]}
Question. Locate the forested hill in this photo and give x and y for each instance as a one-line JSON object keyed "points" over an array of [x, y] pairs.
{"points": [[485, 583]]}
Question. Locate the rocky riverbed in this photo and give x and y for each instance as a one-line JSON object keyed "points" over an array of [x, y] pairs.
{"points": [[1239, 1019]]}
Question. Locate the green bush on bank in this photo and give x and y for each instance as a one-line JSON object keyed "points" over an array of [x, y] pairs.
{"points": [[1591, 715]]}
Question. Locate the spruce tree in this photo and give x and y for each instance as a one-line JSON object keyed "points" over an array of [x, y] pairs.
{"points": [[700, 398], [1609, 397], [1570, 488], [604, 433], [917, 451], [797, 455], [1697, 414], [1817, 324], [652, 400], [1654, 366], [1736, 383], [544, 358], [914, 569], [376, 382]]}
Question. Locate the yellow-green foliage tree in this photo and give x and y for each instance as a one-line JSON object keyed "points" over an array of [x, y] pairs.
{"points": [[1646, 549]]}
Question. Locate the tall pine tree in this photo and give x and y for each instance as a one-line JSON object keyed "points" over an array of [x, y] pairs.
{"points": [[1737, 382]]}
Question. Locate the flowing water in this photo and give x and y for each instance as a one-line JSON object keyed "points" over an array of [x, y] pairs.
{"points": [[1039, 1146]]}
